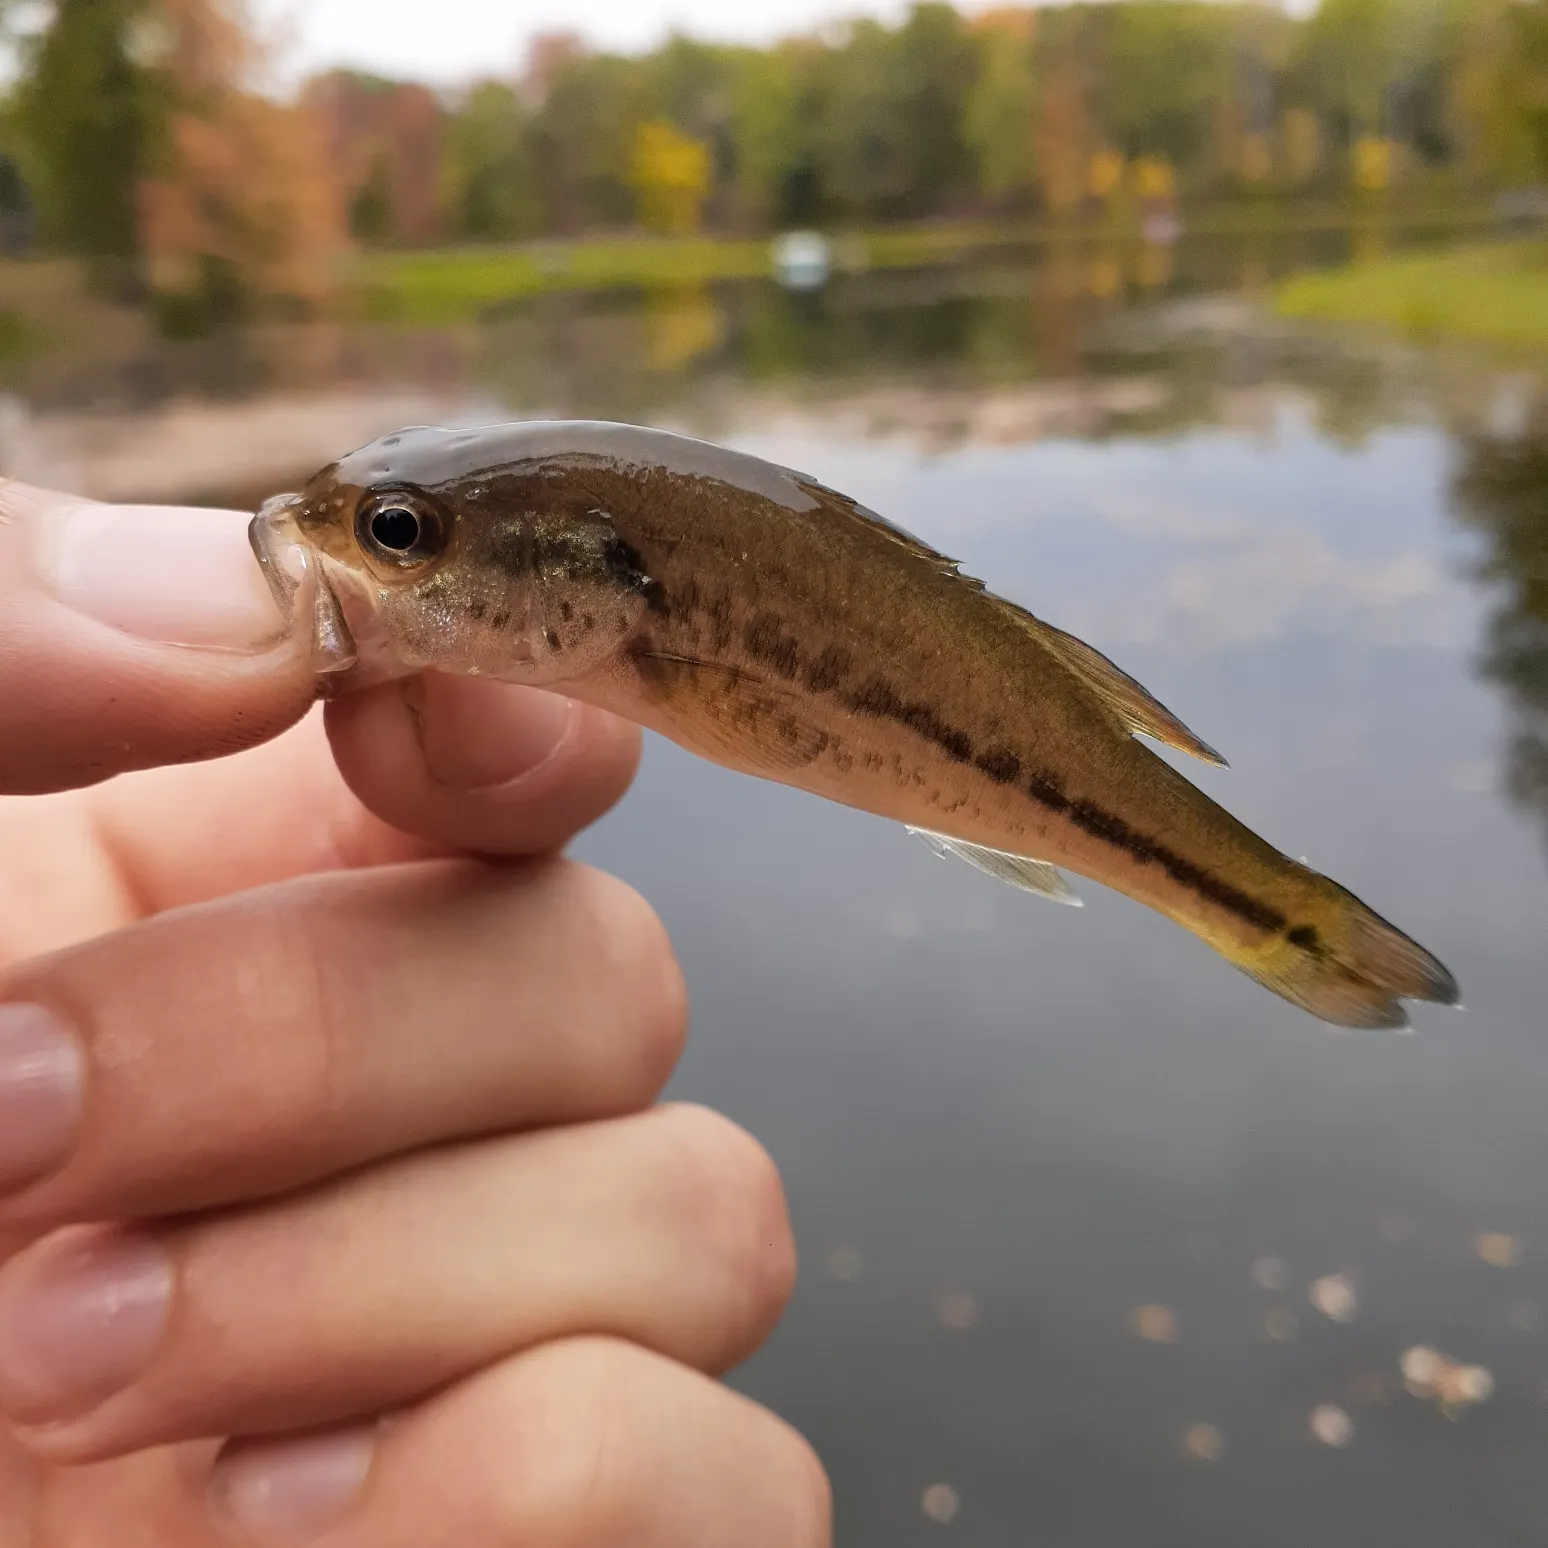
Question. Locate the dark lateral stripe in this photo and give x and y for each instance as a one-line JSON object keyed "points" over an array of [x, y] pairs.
{"points": [[1047, 790], [1000, 764], [882, 700], [767, 642]]}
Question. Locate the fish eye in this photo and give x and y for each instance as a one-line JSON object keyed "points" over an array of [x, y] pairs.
{"points": [[397, 529]]}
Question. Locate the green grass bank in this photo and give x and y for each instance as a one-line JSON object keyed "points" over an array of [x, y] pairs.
{"points": [[1495, 294], [447, 285]]}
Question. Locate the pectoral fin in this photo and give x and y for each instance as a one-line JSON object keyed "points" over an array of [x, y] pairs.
{"points": [[1133, 704], [730, 715], [1030, 875]]}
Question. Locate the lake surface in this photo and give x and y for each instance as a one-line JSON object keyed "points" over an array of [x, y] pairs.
{"points": [[1091, 1226]]}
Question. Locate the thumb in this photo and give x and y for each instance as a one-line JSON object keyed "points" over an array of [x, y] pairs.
{"points": [[131, 636]]}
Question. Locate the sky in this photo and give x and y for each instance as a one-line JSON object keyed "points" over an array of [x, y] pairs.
{"points": [[444, 41]]}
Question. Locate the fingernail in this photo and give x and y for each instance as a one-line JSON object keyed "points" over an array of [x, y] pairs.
{"points": [[172, 574], [480, 735], [80, 1317], [291, 1491], [40, 1093]]}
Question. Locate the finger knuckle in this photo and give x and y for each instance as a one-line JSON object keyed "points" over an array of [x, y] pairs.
{"points": [[635, 958], [727, 1188], [590, 1455], [811, 1500], [306, 999], [580, 1469]]}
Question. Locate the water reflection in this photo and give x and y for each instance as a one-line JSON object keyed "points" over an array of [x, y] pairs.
{"points": [[1502, 490]]}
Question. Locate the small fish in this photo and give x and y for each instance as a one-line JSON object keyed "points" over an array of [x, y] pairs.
{"points": [[777, 627]]}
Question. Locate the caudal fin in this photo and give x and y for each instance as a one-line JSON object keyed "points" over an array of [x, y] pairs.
{"points": [[1343, 962]]}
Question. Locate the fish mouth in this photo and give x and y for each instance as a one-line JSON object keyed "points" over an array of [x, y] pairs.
{"points": [[300, 586]]}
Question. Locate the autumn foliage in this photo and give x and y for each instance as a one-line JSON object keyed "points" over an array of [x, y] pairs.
{"points": [[241, 184], [152, 146]]}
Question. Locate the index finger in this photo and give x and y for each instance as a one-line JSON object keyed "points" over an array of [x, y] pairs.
{"points": [[132, 636]]}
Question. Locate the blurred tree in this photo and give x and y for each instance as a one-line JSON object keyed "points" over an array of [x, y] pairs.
{"points": [[670, 174], [1501, 490], [141, 116], [892, 138], [1168, 67], [92, 105], [1000, 114], [692, 85], [864, 140], [1528, 82], [386, 142], [370, 210], [242, 202], [1301, 137], [1354, 58], [777, 107], [938, 62], [1066, 134], [583, 138], [1501, 88], [490, 183], [548, 54]]}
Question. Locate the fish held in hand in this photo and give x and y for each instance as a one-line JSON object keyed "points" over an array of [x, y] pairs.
{"points": [[775, 626]]}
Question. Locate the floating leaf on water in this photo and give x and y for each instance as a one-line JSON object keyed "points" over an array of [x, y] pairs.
{"points": [[1205, 1443], [1334, 1296], [1427, 1373], [1473, 1384], [940, 1502], [1499, 1248], [1332, 1426], [1156, 1323], [1420, 1366], [1269, 1273]]}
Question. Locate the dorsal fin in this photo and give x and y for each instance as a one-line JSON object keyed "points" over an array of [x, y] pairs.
{"points": [[1132, 703]]}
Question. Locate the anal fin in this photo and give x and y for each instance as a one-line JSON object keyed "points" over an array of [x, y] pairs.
{"points": [[1018, 870]]}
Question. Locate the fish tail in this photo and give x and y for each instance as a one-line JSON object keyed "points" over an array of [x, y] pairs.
{"points": [[1343, 962]]}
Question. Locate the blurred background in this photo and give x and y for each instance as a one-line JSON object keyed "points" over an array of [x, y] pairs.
{"points": [[1216, 333]]}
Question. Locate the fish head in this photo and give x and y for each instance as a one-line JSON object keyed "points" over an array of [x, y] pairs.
{"points": [[409, 555]]}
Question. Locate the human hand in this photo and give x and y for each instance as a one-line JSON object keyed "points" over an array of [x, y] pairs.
{"points": [[326, 1120]]}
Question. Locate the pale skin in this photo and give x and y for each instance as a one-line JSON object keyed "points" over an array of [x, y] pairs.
{"points": [[336, 1202]]}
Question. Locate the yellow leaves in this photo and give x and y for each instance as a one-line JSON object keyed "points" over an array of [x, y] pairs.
{"points": [[670, 174], [1371, 163], [1152, 178], [1104, 174]]}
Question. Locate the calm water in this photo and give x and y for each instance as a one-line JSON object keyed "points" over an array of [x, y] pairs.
{"points": [[1006, 1126]]}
